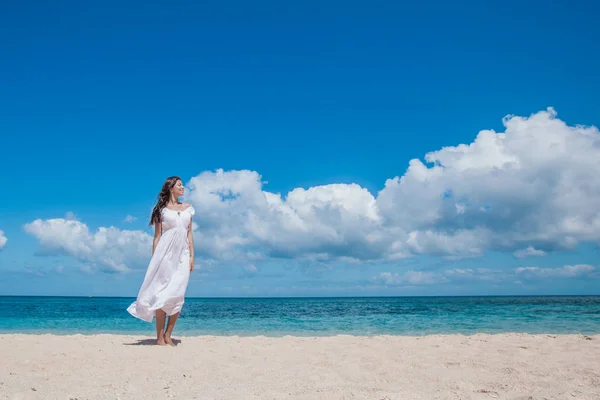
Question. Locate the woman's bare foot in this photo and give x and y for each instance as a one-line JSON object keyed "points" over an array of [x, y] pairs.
{"points": [[161, 341], [169, 341]]}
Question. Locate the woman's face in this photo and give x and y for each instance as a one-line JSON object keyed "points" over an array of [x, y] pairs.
{"points": [[178, 189]]}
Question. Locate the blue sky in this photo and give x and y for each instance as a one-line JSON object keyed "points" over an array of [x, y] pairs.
{"points": [[101, 101]]}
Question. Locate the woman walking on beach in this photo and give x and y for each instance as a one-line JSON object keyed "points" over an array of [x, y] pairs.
{"points": [[163, 290]]}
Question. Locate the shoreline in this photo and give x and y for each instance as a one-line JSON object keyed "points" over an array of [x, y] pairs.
{"points": [[480, 366], [588, 336]]}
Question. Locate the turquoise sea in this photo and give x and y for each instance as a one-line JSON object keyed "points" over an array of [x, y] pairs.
{"points": [[310, 316]]}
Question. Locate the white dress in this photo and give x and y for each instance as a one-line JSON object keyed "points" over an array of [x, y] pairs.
{"points": [[168, 272]]}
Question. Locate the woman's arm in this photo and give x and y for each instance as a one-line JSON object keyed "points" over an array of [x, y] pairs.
{"points": [[157, 234], [190, 238]]}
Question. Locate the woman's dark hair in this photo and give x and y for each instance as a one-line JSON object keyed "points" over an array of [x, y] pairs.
{"points": [[163, 199]]}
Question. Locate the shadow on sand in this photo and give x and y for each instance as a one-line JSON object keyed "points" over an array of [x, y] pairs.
{"points": [[149, 342]]}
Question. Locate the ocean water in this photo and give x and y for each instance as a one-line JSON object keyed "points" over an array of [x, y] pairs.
{"points": [[311, 316]]}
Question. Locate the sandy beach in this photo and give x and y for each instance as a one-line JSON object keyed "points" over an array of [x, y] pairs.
{"points": [[501, 366]]}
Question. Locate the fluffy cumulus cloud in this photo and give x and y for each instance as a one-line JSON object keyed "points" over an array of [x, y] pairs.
{"points": [[237, 218], [531, 189], [108, 249], [536, 184], [528, 190], [3, 240], [458, 275]]}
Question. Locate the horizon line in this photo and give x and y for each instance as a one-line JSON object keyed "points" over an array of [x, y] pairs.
{"points": [[315, 297]]}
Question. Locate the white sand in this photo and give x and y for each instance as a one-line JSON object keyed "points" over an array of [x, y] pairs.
{"points": [[503, 366]]}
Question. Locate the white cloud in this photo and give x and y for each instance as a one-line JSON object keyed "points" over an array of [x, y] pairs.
{"points": [[461, 275], [457, 243], [109, 249], [529, 252], [239, 218], [248, 271], [475, 274], [444, 276], [3, 240], [409, 278], [130, 218], [534, 186], [251, 269], [568, 271], [521, 188]]}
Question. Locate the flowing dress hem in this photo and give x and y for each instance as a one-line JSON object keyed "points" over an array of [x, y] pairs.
{"points": [[149, 313]]}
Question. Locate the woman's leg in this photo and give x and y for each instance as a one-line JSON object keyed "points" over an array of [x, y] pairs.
{"points": [[160, 327], [170, 326]]}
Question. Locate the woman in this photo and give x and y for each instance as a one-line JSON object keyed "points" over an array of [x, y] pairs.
{"points": [[163, 290]]}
